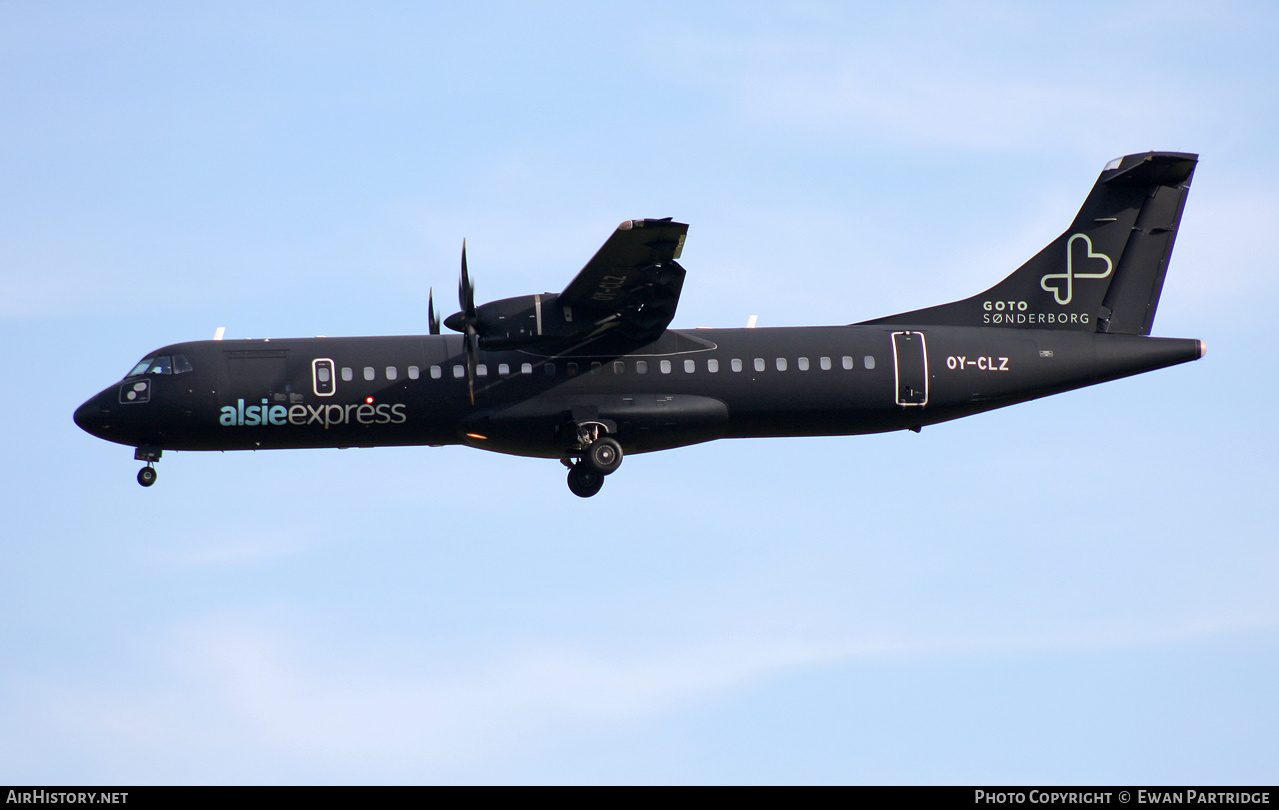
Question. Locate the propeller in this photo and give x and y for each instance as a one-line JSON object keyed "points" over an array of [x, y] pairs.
{"points": [[465, 322], [466, 298]]}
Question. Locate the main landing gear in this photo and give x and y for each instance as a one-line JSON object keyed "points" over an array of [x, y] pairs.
{"points": [[583, 480], [147, 475], [597, 455]]}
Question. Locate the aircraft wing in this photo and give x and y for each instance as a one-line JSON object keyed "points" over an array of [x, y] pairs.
{"points": [[632, 283]]}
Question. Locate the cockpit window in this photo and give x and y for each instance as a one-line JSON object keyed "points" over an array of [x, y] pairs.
{"points": [[140, 368], [164, 364]]}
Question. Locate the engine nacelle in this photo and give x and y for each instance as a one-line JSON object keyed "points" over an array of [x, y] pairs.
{"points": [[523, 320]]}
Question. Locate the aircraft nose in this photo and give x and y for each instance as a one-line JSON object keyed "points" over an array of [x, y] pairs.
{"points": [[91, 418]]}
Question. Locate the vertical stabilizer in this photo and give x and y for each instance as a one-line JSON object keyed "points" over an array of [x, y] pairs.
{"points": [[1105, 273]]}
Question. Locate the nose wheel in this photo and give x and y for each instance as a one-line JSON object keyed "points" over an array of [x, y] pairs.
{"points": [[149, 454]]}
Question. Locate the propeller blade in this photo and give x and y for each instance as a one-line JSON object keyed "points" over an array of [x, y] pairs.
{"points": [[471, 339], [466, 289], [466, 297], [432, 318]]}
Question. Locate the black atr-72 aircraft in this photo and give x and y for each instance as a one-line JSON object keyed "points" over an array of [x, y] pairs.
{"points": [[593, 372]]}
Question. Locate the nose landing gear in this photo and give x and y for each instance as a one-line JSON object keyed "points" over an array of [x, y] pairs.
{"points": [[149, 454], [598, 455]]}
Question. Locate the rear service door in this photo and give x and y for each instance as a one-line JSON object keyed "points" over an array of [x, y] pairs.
{"points": [[910, 366]]}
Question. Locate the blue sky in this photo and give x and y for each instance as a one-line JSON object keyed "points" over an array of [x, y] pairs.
{"points": [[1075, 590]]}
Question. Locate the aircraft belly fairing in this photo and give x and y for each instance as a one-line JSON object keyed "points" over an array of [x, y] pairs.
{"points": [[646, 422]]}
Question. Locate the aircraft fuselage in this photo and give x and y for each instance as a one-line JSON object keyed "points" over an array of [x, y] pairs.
{"points": [[688, 386]]}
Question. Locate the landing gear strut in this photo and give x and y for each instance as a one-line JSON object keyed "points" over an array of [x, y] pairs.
{"points": [[147, 475], [599, 455]]}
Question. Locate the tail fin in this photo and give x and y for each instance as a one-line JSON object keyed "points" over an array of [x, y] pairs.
{"points": [[1105, 273]]}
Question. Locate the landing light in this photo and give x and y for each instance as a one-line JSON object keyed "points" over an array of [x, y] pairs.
{"points": [[369, 400]]}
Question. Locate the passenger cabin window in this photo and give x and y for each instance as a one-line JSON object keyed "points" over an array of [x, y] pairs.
{"points": [[802, 364], [641, 366], [503, 369], [825, 364], [391, 372], [847, 362], [869, 361], [572, 369], [526, 368], [690, 366], [481, 370], [781, 364], [550, 369], [347, 374], [595, 368], [369, 373], [736, 364], [759, 364], [665, 366], [413, 372], [459, 371], [712, 366], [436, 372], [619, 367]]}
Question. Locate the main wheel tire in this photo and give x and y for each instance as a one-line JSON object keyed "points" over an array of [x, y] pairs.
{"points": [[604, 455], [147, 476], [584, 481]]}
